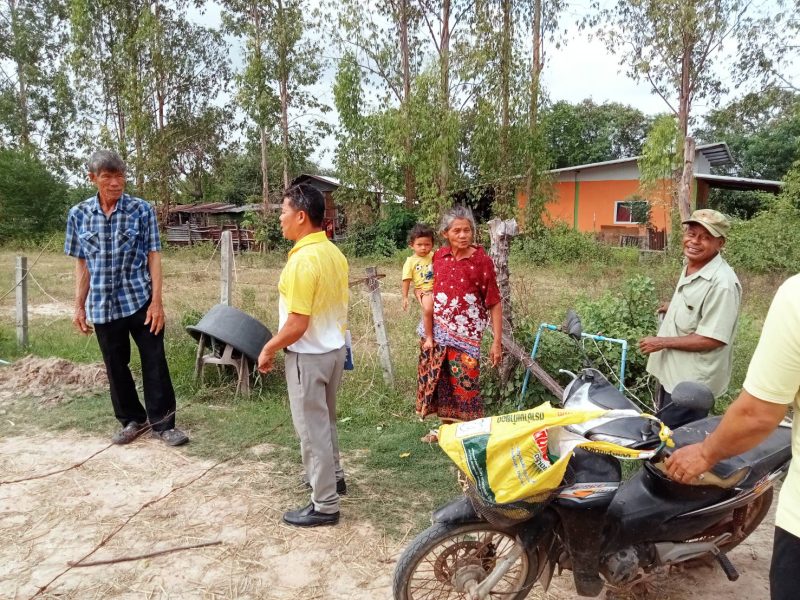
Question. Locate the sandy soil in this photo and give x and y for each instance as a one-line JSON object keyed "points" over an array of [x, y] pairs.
{"points": [[44, 523], [154, 498]]}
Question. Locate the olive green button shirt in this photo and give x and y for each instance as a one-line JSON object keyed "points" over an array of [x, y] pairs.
{"points": [[706, 303]]}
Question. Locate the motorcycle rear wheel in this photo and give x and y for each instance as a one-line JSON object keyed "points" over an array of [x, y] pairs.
{"points": [[445, 553]]}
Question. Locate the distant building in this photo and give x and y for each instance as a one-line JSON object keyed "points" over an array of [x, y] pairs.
{"points": [[335, 215], [601, 197]]}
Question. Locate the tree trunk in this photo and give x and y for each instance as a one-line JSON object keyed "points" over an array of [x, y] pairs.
{"points": [[22, 85], [283, 71], [501, 233], [685, 187], [502, 199], [264, 170], [444, 96], [285, 129], [408, 169], [684, 108], [533, 113]]}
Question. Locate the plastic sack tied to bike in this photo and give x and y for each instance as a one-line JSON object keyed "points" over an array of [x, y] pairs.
{"points": [[524, 455]]}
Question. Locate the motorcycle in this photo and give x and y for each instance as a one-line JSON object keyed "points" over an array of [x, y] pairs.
{"points": [[607, 531]]}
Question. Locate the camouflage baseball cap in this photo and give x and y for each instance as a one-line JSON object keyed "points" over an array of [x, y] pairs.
{"points": [[715, 222]]}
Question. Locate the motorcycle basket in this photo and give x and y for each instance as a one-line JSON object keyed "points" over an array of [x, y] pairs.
{"points": [[506, 515]]}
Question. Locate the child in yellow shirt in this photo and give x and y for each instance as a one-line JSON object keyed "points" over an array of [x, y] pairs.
{"points": [[418, 269]]}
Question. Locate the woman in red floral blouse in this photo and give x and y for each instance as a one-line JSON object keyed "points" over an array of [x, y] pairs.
{"points": [[465, 300]]}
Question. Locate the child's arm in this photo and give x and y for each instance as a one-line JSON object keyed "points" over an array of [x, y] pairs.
{"points": [[406, 286]]}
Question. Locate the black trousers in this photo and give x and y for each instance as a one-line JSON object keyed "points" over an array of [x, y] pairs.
{"points": [[784, 573], [114, 339]]}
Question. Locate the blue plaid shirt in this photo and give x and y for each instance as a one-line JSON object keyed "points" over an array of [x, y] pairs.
{"points": [[115, 249]]}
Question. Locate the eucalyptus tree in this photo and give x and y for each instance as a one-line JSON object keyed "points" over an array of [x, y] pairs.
{"points": [[449, 24], [148, 77], [111, 60], [282, 60], [251, 20], [189, 70], [383, 40], [36, 103], [687, 49]]}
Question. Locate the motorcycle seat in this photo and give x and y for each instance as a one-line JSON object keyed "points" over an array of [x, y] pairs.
{"points": [[602, 393], [748, 467]]}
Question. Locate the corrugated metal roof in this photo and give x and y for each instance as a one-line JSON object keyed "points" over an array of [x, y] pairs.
{"points": [[741, 183], [716, 154], [208, 207]]}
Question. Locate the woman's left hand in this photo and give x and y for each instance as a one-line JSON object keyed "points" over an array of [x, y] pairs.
{"points": [[496, 353]]}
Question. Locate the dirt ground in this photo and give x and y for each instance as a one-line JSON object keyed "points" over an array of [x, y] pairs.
{"points": [[145, 497]]}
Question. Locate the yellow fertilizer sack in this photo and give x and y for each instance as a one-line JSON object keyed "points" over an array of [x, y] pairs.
{"points": [[523, 455]]}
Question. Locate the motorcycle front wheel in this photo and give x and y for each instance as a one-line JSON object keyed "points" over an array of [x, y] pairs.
{"points": [[443, 557]]}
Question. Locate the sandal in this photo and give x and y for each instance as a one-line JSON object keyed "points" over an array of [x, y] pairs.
{"points": [[432, 437]]}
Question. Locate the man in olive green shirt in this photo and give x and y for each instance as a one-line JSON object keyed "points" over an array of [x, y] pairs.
{"points": [[694, 342]]}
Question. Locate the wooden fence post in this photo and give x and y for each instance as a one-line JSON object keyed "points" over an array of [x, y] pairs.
{"points": [[226, 270], [21, 282], [376, 303]]}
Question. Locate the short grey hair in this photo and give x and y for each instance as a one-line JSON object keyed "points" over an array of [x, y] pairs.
{"points": [[454, 214], [106, 160]]}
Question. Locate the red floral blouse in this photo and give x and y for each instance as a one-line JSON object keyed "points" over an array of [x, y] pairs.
{"points": [[463, 291]]}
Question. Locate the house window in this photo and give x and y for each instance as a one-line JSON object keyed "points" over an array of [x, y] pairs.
{"points": [[627, 211]]}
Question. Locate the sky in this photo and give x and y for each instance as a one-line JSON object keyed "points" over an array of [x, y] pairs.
{"points": [[577, 69]]}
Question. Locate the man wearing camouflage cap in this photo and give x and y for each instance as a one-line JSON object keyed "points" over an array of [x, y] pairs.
{"points": [[694, 342]]}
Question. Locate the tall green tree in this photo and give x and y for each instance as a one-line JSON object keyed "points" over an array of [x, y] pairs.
{"points": [[36, 101], [383, 39], [282, 62], [250, 20], [111, 59], [762, 131], [586, 132], [679, 48]]}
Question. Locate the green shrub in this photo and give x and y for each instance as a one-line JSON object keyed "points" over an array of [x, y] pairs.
{"points": [[628, 313], [768, 242], [33, 201], [267, 231], [561, 244], [382, 238]]}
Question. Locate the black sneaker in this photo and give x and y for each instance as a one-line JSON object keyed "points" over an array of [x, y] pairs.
{"points": [[341, 485], [128, 433], [171, 437]]}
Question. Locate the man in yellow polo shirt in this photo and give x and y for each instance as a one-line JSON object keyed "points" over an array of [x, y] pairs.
{"points": [[313, 318], [772, 384], [694, 342]]}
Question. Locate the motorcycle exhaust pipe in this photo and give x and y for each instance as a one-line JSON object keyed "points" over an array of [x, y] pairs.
{"points": [[669, 553]]}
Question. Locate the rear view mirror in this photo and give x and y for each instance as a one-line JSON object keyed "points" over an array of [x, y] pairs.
{"points": [[572, 325], [693, 396]]}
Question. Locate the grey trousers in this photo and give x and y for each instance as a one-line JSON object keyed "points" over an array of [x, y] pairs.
{"points": [[312, 381]]}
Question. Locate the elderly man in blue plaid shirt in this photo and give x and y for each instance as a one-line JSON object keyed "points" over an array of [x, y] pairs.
{"points": [[114, 239]]}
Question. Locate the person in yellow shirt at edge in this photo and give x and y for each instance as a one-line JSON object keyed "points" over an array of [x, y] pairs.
{"points": [[313, 299], [772, 384], [418, 269], [695, 340]]}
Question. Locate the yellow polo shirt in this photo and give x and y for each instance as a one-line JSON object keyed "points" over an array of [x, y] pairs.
{"points": [[774, 376], [314, 282], [707, 303]]}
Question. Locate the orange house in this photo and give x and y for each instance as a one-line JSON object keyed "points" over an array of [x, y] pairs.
{"points": [[601, 197]]}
